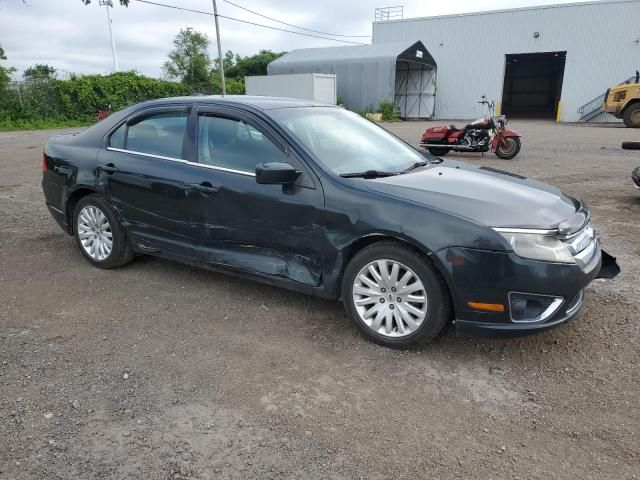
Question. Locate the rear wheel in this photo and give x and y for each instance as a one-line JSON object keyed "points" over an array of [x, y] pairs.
{"points": [[508, 148], [631, 116], [101, 238], [394, 296], [439, 151]]}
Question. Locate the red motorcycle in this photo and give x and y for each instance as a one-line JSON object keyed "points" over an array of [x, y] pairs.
{"points": [[487, 133], [103, 113]]}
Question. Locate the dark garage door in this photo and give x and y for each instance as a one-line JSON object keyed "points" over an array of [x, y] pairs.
{"points": [[532, 84]]}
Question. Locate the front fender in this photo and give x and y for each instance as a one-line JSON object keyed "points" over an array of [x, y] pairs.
{"points": [[505, 134], [511, 133]]}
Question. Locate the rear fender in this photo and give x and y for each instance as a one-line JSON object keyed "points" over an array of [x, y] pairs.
{"points": [[505, 134]]}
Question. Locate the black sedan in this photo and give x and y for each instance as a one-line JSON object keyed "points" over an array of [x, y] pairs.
{"points": [[317, 199]]}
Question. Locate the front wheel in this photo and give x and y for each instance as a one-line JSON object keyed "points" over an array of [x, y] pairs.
{"points": [[631, 116], [395, 296], [508, 147]]}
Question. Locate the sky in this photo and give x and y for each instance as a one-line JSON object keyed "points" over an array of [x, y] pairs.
{"points": [[73, 37]]}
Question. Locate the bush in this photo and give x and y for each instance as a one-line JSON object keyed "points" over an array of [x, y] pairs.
{"points": [[54, 102], [386, 108]]}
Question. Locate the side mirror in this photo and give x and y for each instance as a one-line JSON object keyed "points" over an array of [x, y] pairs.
{"points": [[276, 173]]}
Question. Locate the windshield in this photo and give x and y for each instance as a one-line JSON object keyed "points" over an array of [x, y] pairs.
{"points": [[344, 142]]}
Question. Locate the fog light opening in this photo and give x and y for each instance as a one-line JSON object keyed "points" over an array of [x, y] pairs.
{"points": [[531, 308]]}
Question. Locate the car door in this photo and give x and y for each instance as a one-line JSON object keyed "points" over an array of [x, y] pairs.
{"points": [[143, 174], [271, 230]]}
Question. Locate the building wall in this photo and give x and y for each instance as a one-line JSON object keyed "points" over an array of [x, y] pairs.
{"points": [[602, 41]]}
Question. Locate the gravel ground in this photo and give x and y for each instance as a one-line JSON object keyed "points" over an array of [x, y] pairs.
{"points": [[162, 371]]}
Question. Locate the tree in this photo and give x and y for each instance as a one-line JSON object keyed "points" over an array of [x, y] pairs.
{"points": [[228, 61], [39, 72], [189, 61], [5, 72], [251, 65], [237, 67]]}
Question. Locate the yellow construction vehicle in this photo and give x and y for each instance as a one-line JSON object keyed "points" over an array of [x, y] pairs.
{"points": [[623, 101]]}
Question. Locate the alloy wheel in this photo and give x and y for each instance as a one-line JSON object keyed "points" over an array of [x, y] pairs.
{"points": [[390, 298], [507, 145], [94, 232]]}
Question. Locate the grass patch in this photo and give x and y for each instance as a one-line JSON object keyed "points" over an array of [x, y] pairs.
{"points": [[41, 124]]}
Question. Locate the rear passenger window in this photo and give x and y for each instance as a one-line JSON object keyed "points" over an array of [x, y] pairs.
{"points": [[160, 134], [117, 138], [234, 144]]}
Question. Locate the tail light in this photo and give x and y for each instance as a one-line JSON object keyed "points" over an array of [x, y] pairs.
{"points": [[44, 161]]}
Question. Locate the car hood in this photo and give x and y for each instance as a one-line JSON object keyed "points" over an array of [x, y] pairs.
{"points": [[486, 195]]}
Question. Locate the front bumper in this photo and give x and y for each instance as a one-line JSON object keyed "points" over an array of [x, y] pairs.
{"points": [[615, 110], [567, 311], [485, 276]]}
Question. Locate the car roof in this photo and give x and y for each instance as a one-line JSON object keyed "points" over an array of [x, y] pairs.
{"points": [[259, 102]]}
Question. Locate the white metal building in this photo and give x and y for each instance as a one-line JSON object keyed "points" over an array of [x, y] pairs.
{"points": [[548, 61]]}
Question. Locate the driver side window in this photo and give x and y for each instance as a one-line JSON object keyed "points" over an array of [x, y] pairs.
{"points": [[234, 144]]}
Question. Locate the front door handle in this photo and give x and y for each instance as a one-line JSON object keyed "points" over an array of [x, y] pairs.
{"points": [[109, 168], [205, 188]]}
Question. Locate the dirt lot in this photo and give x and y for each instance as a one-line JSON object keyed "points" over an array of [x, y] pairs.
{"points": [[161, 371]]}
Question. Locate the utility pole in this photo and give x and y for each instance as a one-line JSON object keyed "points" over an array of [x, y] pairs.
{"points": [[221, 66], [109, 3]]}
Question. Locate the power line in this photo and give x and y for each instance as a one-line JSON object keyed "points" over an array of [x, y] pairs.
{"points": [[291, 31], [294, 26], [175, 7], [248, 22]]}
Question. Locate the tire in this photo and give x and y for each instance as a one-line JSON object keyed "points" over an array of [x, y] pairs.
{"points": [[631, 115], [512, 151], [91, 217], [439, 151], [385, 322], [631, 145]]}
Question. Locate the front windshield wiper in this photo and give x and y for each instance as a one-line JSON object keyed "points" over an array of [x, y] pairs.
{"points": [[421, 163], [369, 174]]}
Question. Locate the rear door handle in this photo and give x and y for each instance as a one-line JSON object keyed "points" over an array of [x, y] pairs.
{"points": [[205, 188], [108, 168]]}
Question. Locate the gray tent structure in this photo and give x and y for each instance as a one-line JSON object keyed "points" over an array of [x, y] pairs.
{"points": [[404, 72]]}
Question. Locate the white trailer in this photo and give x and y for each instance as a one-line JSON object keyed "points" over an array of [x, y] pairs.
{"points": [[318, 87]]}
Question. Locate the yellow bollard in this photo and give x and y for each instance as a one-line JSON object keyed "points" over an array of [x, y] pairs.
{"points": [[559, 114]]}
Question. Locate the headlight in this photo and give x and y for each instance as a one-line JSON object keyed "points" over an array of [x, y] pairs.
{"points": [[537, 246]]}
